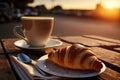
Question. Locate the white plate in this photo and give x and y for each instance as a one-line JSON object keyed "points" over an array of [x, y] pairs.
{"points": [[54, 69], [23, 44]]}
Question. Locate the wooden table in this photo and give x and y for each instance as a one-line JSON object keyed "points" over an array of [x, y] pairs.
{"points": [[107, 50]]}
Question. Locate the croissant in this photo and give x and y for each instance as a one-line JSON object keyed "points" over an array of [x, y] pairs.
{"points": [[75, 57]]}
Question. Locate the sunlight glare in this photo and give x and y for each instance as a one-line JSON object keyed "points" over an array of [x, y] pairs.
{"points": [[109, 5]]}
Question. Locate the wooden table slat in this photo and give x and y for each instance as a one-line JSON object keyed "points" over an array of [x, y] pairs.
{"points": [[107, 55], [1, 49], [117, 49], [110, 74], [5, 69], [86, 41], [102, 38]]}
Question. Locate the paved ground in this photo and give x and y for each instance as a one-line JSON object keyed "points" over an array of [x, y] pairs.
{"points": [[71, 26], [67, 26]]}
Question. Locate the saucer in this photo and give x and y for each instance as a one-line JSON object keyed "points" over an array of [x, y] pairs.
{"points": [[23, 44]]}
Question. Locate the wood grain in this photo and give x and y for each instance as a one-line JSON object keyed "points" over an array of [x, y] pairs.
{"points": [[111, 58], [5, 69], [110, 74], [107, 55], [1, 50], [102, 38], [86, 41]]}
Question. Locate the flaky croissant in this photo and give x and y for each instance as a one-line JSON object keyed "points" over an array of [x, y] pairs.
{"points": [[75, 57]]}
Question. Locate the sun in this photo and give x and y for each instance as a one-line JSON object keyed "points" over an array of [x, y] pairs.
{"points": [[109, 5]]}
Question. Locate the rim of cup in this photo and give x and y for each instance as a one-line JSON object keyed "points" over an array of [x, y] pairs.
{"points": [[37, 17]]}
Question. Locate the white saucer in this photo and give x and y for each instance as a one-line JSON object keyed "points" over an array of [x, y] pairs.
{"points": [[23, 44], [54, 69]]}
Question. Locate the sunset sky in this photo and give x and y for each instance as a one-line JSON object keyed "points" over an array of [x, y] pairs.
{"points": [[77, 4]]}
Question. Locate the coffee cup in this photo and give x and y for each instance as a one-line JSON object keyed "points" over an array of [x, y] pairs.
{"points": [[36, 30]]}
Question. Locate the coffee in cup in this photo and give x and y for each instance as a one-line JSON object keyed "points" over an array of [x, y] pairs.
{"points": [[36, 30]]}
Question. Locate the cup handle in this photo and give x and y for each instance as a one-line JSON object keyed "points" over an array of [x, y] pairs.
{"points": [[17, 34]]}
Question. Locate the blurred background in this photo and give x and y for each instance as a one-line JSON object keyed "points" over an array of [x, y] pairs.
{"points": [[72, 17]]}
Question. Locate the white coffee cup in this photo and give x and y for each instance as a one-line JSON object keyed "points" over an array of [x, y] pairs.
{"points": [[36, 30]]}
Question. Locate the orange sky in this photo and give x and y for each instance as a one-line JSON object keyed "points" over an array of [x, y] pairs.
{"points": [[76, 4]]}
